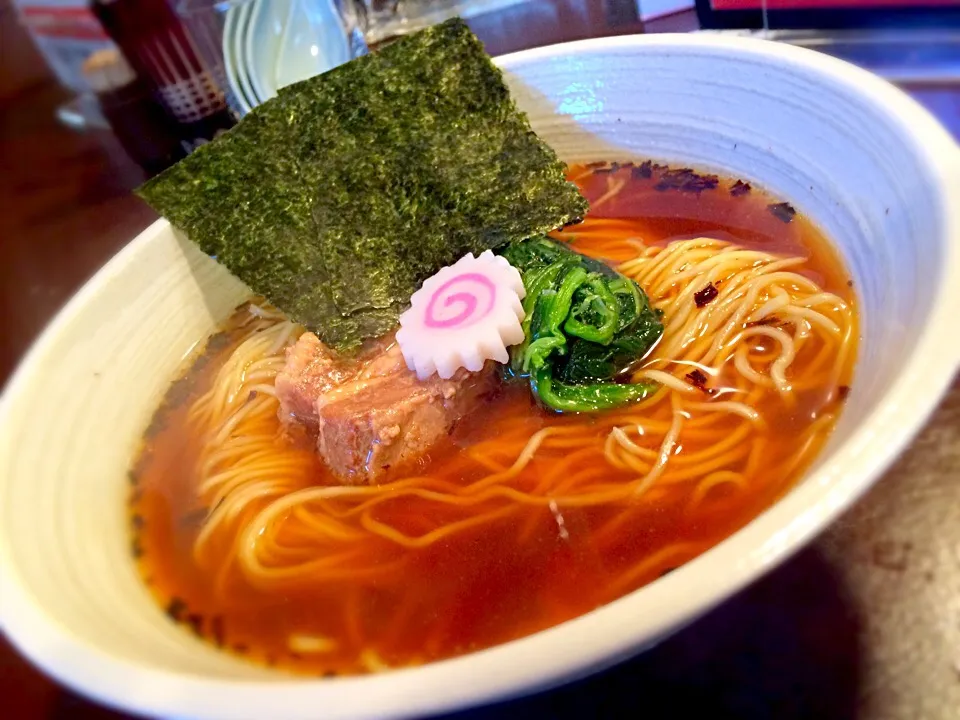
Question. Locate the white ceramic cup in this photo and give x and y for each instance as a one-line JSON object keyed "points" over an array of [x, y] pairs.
{"points": [[868, 164]]}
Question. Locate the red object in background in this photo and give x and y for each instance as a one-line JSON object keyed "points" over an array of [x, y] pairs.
{"points": [[61, 22], [64, 31], [829, 4], [165, 54]]}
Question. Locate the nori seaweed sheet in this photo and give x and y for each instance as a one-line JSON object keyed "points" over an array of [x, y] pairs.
{"points": [[338, 197]]}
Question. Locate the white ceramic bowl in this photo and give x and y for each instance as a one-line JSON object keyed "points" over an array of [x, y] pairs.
{"points": [[868, 164]]}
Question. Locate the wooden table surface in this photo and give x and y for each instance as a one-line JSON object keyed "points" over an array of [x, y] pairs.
{"points": [[865, 623]]}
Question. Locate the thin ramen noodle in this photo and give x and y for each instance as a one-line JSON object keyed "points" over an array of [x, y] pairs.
{"points": [[521, 518]]}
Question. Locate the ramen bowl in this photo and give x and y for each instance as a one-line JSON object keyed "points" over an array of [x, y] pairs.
{"points": [[872, 169]]}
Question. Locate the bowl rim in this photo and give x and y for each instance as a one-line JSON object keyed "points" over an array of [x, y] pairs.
{"points": [[612, 632]]}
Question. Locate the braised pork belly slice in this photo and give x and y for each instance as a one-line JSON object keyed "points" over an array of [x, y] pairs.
{"points": [[371, 416]]}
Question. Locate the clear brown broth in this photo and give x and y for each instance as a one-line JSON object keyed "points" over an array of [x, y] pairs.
{"points": [[509, 577]]}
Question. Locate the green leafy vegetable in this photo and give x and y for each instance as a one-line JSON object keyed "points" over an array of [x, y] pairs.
{"points": [[585, 325], [338, 197]]}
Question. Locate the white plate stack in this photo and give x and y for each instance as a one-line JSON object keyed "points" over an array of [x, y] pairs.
{"points": [[268, 44]]}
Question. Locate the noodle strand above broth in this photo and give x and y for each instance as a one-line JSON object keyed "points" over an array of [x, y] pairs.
{"points": [[520, 519]]}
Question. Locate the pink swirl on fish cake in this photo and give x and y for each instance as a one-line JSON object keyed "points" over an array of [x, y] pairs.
{"points": [[476, 290]]}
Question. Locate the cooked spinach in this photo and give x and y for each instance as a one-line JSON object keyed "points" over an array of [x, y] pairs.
{"points": [[584, 326]]}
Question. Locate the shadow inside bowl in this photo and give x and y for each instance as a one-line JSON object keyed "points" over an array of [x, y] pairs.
{"points": [[788, 647]]}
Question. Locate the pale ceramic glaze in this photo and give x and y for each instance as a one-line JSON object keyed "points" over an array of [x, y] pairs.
{"points": [[868, 164]]}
